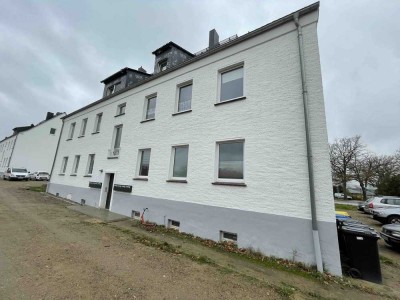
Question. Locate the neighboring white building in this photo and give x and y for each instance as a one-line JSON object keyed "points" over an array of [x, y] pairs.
{"points": [[35, 148], [205, 142], [6, 150]]}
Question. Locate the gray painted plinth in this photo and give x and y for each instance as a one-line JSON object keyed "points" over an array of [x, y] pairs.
{"points": [[99, 213], [274, 235]]}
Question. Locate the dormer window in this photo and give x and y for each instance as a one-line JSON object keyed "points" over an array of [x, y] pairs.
{"points": [[112, 88], [162, 65]]}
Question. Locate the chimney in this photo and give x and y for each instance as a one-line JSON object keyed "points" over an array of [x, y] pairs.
{"points": [[213, 40], [142, 70], [49, 115]]}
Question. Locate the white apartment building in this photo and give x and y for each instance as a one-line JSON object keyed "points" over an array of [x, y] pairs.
{"points": [[227, 144], [32, 147]]}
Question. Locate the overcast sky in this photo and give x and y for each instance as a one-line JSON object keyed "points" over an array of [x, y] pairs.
{"points": [[53, 54]]}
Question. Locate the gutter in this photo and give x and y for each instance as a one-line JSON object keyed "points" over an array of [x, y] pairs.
{"points": [[314, 222], [55, 155]]}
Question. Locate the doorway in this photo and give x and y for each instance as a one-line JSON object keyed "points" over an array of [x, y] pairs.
{"points": [[110, 189], [107, 191]]}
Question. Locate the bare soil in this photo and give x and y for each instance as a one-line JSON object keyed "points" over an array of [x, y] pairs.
{"points": [[48, 251]]}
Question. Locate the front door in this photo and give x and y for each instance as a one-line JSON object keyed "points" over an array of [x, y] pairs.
{"points": [[109, 192]]}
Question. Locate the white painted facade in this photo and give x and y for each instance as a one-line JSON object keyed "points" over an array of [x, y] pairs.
{"points": [[35, 148], [270, 120], [6, 150]]}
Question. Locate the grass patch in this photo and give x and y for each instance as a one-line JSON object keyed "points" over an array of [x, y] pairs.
{"points": [[345, 207], [40, 189], [386, 260]]}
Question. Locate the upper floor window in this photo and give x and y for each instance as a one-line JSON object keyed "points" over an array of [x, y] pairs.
{"points": [[116, 143], [151, 108], [180, 161], [64, 165], [144, 159], [112, 89], [231, 84], [185, 97], [162, 65], [121, 109], [71, 131], [83, 127], [230, 161], [76, 164], [97, 123], [52, 131], [90, 164]]}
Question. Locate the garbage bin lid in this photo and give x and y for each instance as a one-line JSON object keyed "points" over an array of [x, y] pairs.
{"points": [[364, 231]]}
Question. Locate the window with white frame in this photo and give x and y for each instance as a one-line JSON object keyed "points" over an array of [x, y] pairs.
{"points": [[179, 161], [97, 123], [184, 97], [231, 84], [71, 131], [64, 165], [76, 164], [144, 162], [116, 142], [83, 127], [121, 109], [112, 89], [90, 164], [151, 108], [230, 158], [162, 65]]}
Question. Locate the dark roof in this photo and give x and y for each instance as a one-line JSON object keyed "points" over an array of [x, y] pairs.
{"points": [[122, 72], [169, 45], [265, 28], [23, 128]]}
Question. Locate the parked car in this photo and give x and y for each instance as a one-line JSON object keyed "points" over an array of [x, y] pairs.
{"points": [[387, 215], [341, 196], [39, 176], [391, 234], [382, 202], [362, 205], [16, 174]]}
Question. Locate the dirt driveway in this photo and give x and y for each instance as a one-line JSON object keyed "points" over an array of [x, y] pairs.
{"points": [[48, 251]]}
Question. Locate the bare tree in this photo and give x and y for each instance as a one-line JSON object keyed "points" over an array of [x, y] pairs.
{"points": [[342, 153], [364, 169]]}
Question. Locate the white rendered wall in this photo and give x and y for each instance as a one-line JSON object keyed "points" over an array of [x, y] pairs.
{"points": [[270, 119], [35, 148], [6, 150]]}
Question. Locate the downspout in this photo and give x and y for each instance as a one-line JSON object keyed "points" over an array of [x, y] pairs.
{"points": [[55, 155], [317, 246]]}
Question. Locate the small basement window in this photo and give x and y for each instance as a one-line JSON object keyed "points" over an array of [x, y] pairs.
{"points": [[228, 237], [135, 215], [173, 224], [52, 131]]}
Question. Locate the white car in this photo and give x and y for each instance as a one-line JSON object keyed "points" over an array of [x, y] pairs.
{"points": [[382, 202], [16, 174], [39, 176], [341, 196]]}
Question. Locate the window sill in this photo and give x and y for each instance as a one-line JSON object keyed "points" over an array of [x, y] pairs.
{"points": [[119, 115], [230, 100], [69, 139], [148, 120], [141, 178], [177, 180], [61, 174], [96, 132], [87, 175], [81, 136], [229, 183], [72, 175], [182, 112]]}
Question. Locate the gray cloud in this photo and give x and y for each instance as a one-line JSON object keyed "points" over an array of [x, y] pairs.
{"points": [[53, 55]]}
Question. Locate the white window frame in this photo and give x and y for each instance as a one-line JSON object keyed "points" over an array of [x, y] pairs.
{"points": [[224, 239], [75, 166], [172, 226], [139, 163], [71, 131], [82, 131], [99, 118], [178, 91], [64, 164], [119, 107], [172, 162], [228, 69], [161, 62], [146, 104], [91, 157], [216, 165]]}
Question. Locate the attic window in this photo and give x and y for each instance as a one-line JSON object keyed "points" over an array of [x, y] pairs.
{"points": [[112, 88], [162, 65], [52, 131]]}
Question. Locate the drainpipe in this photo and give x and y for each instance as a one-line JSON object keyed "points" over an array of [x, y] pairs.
{"points": [[317, 246], [55, 156]]}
